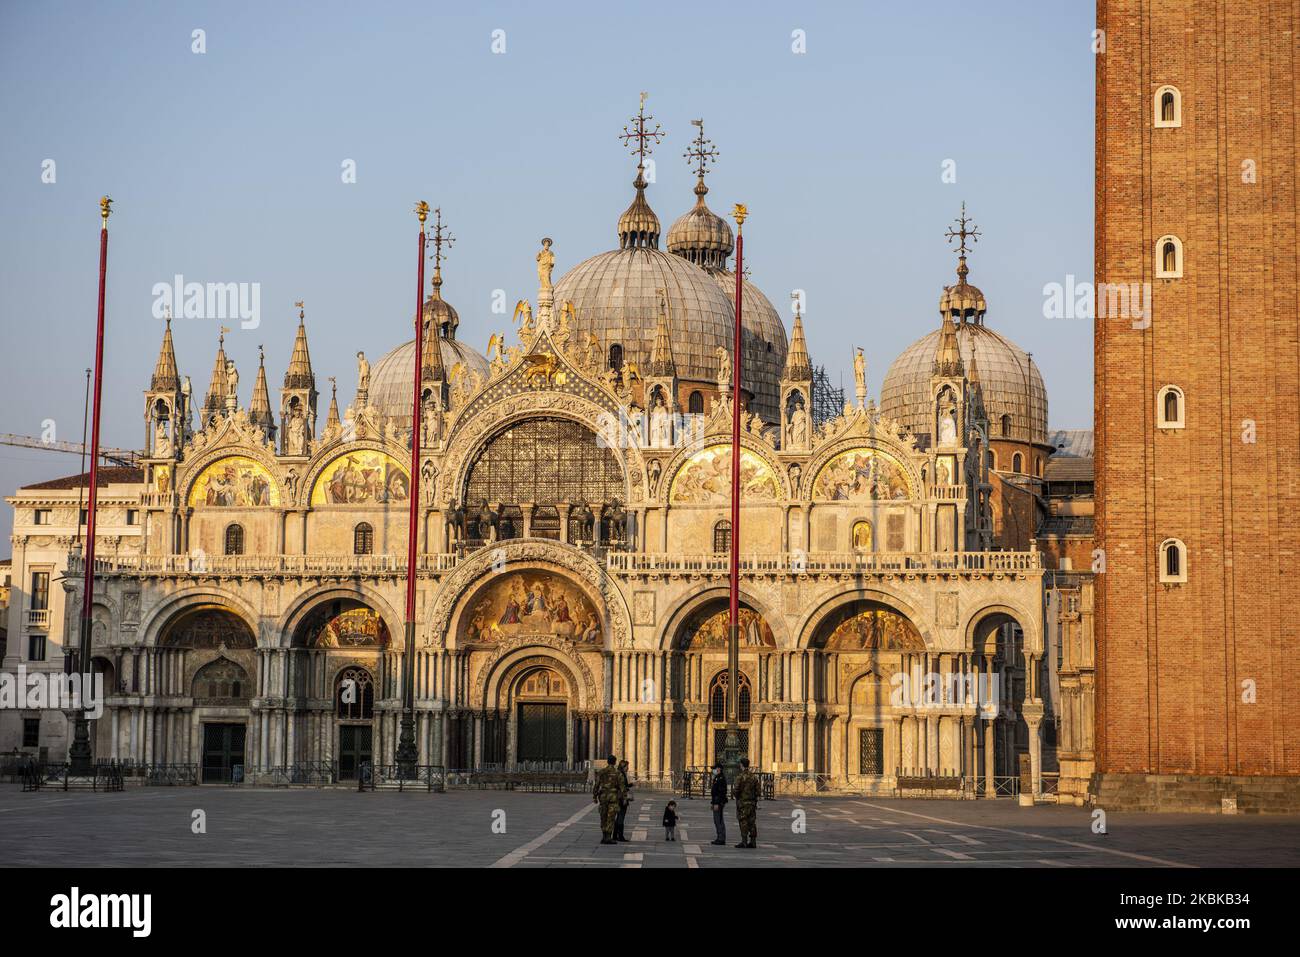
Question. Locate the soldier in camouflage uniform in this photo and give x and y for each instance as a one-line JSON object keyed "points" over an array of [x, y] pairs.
{"points": [[609, 792], [745, 791]]}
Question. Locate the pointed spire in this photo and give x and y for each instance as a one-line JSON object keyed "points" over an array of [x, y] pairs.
{"points": [[947, 357], [299, 374], [165, 376], [431, 365], [662, 364], [259, 408], [798, 367], [332, 419], [219, 387]]}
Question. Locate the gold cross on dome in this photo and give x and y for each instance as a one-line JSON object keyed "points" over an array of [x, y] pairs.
{"points": [[973, 234], [645, 139], [702, 153], [441, 237]]}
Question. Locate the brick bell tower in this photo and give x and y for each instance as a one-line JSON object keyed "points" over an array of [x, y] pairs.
{"points": [[1196, 405]]}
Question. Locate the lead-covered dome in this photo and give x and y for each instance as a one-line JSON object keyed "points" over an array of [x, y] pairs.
{"points": [[1009, 383], [391, 378]]}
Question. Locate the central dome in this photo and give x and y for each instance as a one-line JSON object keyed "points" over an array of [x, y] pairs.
{"points": [[616, 298]]}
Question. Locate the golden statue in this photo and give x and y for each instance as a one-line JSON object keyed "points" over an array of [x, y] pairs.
{"points": [[545, 263]]}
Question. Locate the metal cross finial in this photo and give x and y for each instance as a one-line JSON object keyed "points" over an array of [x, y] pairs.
{"points": [[301, 312], [973, 234], [645, 139], [702, 153], [441, 237]]}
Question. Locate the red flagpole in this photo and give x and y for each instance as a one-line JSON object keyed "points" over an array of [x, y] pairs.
{"points": [[731, 746], [407, 755], [79, 754]]}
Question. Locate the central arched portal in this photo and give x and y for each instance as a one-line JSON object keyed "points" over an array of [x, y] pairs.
{"points": [[541, 705]]}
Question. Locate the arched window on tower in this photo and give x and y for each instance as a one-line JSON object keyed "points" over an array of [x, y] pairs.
{"points": [[722, 537], [1169, 408], [616, 357], [234, 539], [363, 539], [1169, 258], [695, 402], [1017, 463], [1173, 561], [1168, 107]]}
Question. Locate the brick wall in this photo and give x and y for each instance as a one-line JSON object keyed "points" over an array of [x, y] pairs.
{"points": [[1172, 659]]}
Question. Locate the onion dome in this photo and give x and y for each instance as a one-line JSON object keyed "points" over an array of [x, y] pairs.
{"points": [[700, 235], [962, 301], [638, 227]]}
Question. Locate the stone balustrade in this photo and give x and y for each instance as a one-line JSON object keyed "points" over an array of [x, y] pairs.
{"points": [[826, 563]]}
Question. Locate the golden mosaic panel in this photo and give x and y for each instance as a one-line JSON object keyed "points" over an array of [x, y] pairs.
{"points": [[705, 479], [365, 477], [531, 603], [235, 482], [861, 475], [875, 629]]}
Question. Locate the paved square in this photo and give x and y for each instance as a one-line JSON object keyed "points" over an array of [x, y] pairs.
{"points": [[336, 827]]}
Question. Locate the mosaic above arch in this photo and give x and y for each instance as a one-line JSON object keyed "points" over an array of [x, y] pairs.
{"points": [[358, 627], [234, 481], [363, 477], [875, 629], [710, 632], [535, 602], [705, 478], [861, 475]]}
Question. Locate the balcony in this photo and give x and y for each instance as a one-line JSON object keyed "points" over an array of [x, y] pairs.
{"points": [[826, 564], [262, 566], [38, 618]]}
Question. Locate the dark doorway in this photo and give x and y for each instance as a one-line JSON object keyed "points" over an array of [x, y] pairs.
{"points": [[355, 749], [223, 753], [871, 751], [542, 732]]}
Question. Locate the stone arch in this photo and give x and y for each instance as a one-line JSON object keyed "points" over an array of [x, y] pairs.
{"points": [[748, 443], [680, 613], [818, 615], [200, 464], [154, 623], [1033, 639], [828, 453], [308, 602], [512, 659], [326, 457], [470, 435], [577, 566]]}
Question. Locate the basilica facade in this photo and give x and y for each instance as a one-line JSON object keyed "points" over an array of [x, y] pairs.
{"points": [[573, 536]]}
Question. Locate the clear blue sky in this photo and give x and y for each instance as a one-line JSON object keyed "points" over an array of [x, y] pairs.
{"points": [[225, 167]]}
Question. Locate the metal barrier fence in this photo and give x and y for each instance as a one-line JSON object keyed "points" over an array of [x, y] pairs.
{"points": [[49, 776], [306, 773], [393, 777], [698, 782], [566, 781]]}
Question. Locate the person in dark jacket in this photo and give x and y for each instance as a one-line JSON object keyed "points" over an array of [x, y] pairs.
{"points": [[718, 800], [623, 805], [670, 821]]}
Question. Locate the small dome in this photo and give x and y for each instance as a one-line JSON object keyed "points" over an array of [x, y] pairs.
{"points": [[638, 227], [391, 378], [700, 235], [442, 312], [1009, 382]]}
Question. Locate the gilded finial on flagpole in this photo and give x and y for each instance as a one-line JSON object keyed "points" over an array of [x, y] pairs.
{"points": [[739, 212], [105, 208], [422, 211]]}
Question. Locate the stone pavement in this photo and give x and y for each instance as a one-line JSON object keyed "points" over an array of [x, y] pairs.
{"points": [[336, 827]]}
